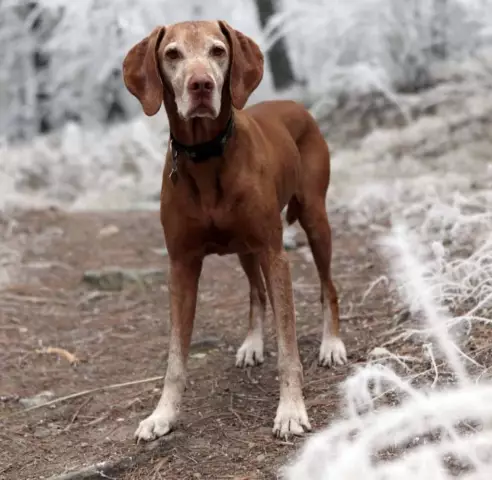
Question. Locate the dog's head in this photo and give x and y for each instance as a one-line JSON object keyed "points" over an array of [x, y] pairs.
{"points": [[196, 62]]}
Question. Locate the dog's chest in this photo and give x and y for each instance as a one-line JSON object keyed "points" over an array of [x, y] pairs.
{"points": [[227, 231], [214, 214]]}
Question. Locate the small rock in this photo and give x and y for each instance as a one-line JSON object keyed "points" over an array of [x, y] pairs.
{"points": [[293, 237], [92, 297], [108, 231], [198, 355], [9, 398], [402, 316], [204, 345], [306, 254], [42, 433], [380, 352], [161, 251], [37, 400], [289, 238], [260, 458], [116, 278]]}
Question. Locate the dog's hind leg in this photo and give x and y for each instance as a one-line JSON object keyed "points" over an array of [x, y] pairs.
{"points": [[314, 220], [251, 351]]}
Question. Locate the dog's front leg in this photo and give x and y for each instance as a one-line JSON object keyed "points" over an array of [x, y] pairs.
{"points": [[291, 415], [183, 292]]}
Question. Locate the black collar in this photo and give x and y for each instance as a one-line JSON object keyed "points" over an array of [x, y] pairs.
{"points": [[201, 152]]}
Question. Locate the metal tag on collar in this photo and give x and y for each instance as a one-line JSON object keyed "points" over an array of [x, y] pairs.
{"points": [[174, 170]]}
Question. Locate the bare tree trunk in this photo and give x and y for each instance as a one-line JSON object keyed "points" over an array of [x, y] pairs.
{"points": [[439, 29], [41, 65], [280, 65]]}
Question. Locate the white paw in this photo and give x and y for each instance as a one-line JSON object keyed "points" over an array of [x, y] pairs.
{"points": [[291, 419], [156, 425], [332, 352], [251, 352]]}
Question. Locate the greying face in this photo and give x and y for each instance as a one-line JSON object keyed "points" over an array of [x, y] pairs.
{"points": [[194, 62]]}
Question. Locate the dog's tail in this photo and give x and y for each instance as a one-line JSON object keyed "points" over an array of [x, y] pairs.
{"points": [[293, 210]]}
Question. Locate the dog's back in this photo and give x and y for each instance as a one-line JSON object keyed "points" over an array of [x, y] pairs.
{"points": [[286, 121]]}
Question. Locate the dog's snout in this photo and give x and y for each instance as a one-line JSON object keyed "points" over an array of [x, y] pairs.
{"points": [[201, 83]]}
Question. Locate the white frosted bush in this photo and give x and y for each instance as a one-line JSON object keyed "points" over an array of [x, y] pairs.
{"points": [[362, 46], [76, 168], [432, 434]]}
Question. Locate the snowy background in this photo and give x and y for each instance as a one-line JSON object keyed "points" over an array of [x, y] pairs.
{"points": [[401, 88], [385, 78]]}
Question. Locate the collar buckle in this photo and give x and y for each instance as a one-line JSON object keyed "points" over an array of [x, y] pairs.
{"points": [[174, 170]]}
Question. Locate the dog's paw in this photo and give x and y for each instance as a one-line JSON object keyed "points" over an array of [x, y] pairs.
{"points": [[291, 419], [332, 352], [160, 423], [251, 352]]}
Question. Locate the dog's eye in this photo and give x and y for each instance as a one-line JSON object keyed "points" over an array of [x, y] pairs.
{"points": [[217, 51], [173, 54]]}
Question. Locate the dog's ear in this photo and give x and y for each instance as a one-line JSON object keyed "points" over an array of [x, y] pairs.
{"points": [[246, 69], [141, 72]]}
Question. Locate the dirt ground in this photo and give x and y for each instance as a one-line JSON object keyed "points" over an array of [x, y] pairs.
{"points": [[120, 337]]}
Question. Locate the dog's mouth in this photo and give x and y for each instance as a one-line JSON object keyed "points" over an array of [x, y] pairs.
{"points": [[202, 106]]}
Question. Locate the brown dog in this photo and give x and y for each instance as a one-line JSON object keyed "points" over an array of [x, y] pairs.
{"points": [[228, 174]]}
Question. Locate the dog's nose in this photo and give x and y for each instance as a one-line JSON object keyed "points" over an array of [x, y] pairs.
{"points": [[200, 83]]}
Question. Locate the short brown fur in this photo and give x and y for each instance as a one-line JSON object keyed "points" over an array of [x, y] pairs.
{"points": [[231, 204]]}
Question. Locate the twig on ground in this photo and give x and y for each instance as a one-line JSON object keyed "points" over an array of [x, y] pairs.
{"points": [[72, 359], [428, 348], [32, 299], [463, 354], [76, 414], [93, 471], [110, 468], [82, 394], [233, 411], [381, 279], [253, 381]]}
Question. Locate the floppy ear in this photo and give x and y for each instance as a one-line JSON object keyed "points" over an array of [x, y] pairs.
{"points": [[141, 72], [246, 70]]}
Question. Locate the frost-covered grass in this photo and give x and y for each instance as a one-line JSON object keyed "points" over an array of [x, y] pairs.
{"points": [[118, 168], [432, 433], [434, 175]]}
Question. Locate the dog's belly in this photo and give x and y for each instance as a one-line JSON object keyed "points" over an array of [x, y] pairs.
{"points": [[226, 246], [215, 248], [225, 241]]}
